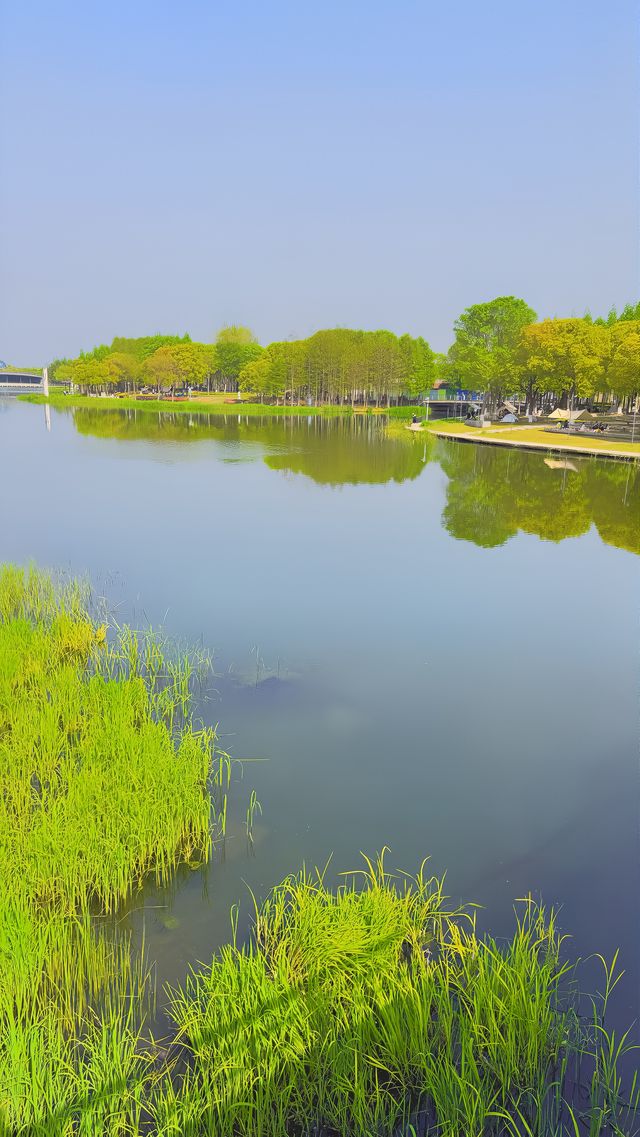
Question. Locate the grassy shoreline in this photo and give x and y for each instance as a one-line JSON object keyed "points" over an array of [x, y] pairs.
{"points": [[200, 406], [535, 438], [218, 405], [522, 437]]}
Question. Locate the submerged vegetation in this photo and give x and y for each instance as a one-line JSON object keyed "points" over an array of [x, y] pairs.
{"points": [[374, 1008]]}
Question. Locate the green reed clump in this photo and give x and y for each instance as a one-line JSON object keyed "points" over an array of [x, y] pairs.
{"points": [[37, 596], [103, 776], [373, 1010], [72, 1009], [104, 779]]}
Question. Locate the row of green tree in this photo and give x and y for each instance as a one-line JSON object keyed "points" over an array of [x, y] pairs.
{"points": [[499, 348], [337, 365], [340, 365], [162, 363]]}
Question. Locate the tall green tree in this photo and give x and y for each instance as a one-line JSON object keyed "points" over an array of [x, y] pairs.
{"points": [[343, 365], [87, 374], [230, 359], [630, 312], [176, 365], [143, 346], [484, 354], [568, 357], [235, 347], [419, 370], [259, 378], [122, 369], [623, 370]]}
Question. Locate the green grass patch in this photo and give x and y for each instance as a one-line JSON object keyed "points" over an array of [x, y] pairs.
{"points": [[404, 412], [539, 438], [20, 371], [563, 440]]}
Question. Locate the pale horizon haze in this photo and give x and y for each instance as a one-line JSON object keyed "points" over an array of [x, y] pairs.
{"points": [[175, 167]]}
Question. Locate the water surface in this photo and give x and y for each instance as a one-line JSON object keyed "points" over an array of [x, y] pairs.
{"points": [[429, 645]]}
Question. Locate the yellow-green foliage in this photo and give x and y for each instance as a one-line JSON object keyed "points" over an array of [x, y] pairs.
{"points": [[98, 783], [72, 1004], [103, 779], [354, 1009]]}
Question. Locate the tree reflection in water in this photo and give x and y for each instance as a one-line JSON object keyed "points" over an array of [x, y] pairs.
{"points": [[492, 493]]}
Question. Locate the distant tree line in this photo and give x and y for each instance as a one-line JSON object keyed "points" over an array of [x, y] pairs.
{"points": [[500, 349], [338, 365], [162, 363]]}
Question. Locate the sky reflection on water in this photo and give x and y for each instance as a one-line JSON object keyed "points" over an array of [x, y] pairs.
{"points": [[448, 632]]}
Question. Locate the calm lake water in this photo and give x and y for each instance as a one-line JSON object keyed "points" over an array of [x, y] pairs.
{"points": [[428, 645]]}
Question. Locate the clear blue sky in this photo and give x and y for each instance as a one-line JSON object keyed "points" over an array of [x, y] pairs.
{"points": [[176, 166]]}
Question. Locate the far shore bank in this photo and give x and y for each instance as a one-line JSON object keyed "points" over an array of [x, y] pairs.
{"points": [[205, 405], [219, 404], [518, 436]]}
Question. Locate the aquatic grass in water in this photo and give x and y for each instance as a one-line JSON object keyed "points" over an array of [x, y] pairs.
{"points": [[69, 996], [104, 779], [376, 1009], [372, 1009], [103, 776]]}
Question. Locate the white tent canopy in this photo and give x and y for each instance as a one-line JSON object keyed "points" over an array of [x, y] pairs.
{"points": [[563, 415]]}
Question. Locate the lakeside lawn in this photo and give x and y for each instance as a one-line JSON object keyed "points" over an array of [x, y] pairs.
{"points": [[536, 437]]}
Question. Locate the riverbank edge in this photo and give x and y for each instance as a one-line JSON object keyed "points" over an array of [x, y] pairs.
{"points": [[189, 407], [252, 410], [552, 448]]}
